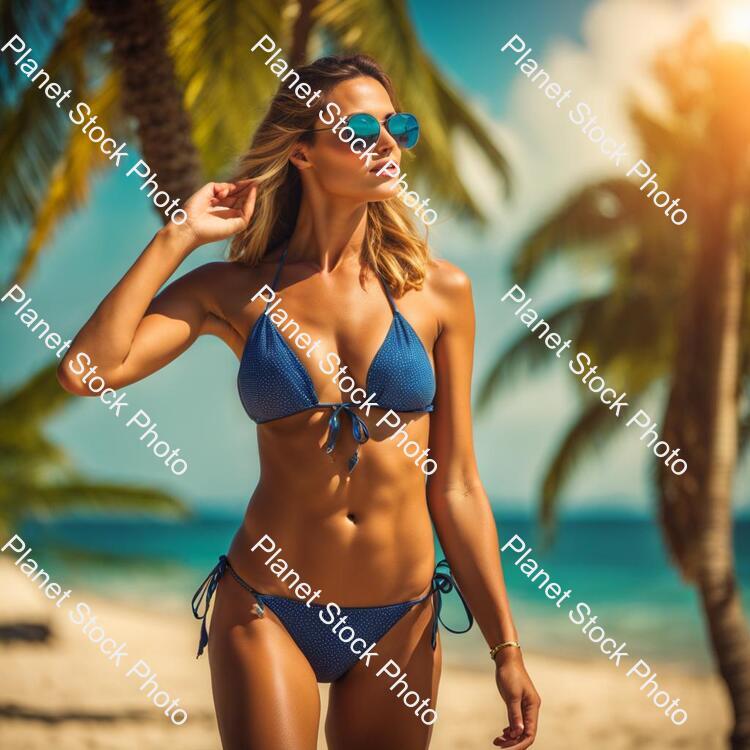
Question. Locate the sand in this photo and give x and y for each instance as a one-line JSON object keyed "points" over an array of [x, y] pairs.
{"points": [[65, 694]]}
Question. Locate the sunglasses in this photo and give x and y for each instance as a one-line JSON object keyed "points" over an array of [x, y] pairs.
{"points": [[401, 126]]}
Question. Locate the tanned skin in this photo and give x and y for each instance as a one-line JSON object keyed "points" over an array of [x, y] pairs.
{"points": [[363, 538]]}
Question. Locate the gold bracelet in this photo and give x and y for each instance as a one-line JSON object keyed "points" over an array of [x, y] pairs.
{"points": [[501, 646]]}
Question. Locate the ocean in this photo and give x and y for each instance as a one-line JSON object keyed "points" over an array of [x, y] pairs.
{"points": [[618, 566]]}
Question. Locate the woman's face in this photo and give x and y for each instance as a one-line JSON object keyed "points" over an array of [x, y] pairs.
{"points": [[330, 162]]}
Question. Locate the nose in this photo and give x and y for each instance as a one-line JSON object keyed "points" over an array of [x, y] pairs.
{"points": [[386, 144]]}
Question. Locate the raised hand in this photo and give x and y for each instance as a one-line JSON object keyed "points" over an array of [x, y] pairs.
{"points": [[218, 210]]}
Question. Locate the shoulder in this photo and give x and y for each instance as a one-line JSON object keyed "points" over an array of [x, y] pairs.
{"points": [[446, 279], [217, 273], [221, 280], [449, 291]]}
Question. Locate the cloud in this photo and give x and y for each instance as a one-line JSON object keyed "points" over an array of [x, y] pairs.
{"points": [[550, 154], [550, 159], [620, 38], [483, 184]]}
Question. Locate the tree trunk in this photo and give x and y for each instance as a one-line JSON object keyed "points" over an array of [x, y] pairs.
{"points": [[151, 93], [301, 33], [702, 419]]}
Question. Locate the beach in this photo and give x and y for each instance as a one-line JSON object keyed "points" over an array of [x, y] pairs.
{"points": [[68, 695]]}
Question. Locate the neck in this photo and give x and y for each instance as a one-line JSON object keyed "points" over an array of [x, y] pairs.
{"points": [[328, 230]]}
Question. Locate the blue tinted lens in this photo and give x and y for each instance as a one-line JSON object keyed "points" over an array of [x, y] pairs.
{"points": [[365, 127], [404, 128]]}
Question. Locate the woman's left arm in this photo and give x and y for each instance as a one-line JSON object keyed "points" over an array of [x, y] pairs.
{"points": [[460, 509]]}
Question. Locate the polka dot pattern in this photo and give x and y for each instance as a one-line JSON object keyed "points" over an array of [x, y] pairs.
{"points": [[273, 383], [401, 374], [330, 654], [325, 632]]}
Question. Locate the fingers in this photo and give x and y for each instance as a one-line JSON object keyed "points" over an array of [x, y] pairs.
{"points": [[225, 189], [222, 189], [234, 195], [531, 708], [226, 213], [233, 220], [215, 193], [523, 717], [515, 717], [512, 734], [519, 743], [515, 743]]}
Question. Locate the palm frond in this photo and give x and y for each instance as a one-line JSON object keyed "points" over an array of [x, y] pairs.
{"points": [[34, 400], [34, 130], [527, 352], [226, 85], [23, 500], [591, 219], [594, 425], [630, 346], [455, 111], [35, 21], [665, 141], [68, 185], [24, 450]]}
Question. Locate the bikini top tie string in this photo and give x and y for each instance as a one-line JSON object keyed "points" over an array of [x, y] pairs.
{"points": [[444, 583], [203, 596], [360, 432]]}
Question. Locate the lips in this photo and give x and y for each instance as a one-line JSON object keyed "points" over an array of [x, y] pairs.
{"points": [[378, 166]]}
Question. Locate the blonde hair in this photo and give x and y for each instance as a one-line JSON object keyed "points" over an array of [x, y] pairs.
{"points": [[392, 246]]}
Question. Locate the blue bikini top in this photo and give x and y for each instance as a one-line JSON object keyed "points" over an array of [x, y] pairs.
{"points": [[273, 383]]}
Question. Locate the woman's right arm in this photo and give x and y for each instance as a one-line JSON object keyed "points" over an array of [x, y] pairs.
{"points": [[132, 334]]}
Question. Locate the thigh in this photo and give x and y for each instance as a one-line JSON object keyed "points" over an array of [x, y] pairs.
{"points": [[365, 713], [265, 692]]}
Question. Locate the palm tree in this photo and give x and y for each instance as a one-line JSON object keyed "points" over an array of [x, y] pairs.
{"points": [[671, 317], [150, 91], [35, 474], [179, 75]]}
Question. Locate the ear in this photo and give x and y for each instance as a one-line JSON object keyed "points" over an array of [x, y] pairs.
{"points": [[298, 157]]}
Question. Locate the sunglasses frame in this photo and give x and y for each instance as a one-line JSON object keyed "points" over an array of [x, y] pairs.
{"points": [[381, 123]]}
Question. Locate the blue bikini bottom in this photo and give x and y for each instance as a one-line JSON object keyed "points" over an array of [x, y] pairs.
{"points": [[328, 654]]}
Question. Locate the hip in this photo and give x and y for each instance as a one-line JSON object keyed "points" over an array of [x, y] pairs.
{"points": [[354, 552]]}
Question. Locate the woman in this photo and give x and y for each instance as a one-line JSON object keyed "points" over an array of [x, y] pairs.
{"points": [[323, 237]]}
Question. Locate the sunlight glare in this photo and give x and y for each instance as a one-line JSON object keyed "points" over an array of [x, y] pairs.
{"points": [[733, 22]]}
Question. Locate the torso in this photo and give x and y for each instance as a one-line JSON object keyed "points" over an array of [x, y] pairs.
{"points": [[365, 537]]}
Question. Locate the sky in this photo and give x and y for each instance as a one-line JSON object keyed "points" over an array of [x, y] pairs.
{"points": [[600, 49]]}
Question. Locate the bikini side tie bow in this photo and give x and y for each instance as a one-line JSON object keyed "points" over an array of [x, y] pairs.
{"points": [[444, 583], [203, 597]]}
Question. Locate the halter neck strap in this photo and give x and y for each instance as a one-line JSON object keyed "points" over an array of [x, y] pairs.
{"points": [[279, 267], [388, 294]]}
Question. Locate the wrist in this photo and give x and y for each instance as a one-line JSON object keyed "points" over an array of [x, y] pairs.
{"points": [[179, 238], [509, 655], [504, 646]]}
